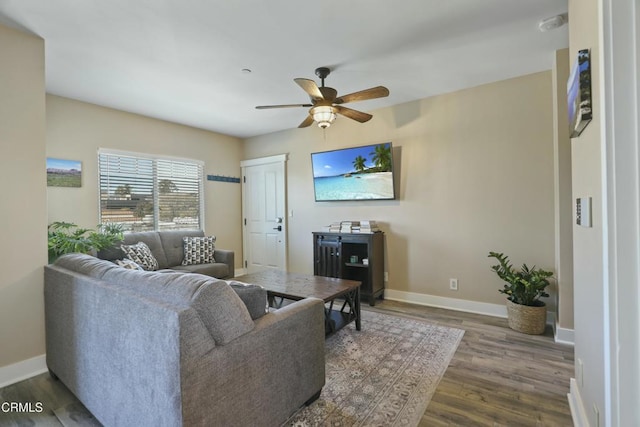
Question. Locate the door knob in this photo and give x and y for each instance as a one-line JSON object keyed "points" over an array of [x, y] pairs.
{"points": [[279, 228]]}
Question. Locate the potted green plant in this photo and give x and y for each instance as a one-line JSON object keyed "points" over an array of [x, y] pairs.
{"points": [[525, 311], [66, 237]]}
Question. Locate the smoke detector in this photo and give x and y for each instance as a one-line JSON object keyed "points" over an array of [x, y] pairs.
{"points": [[552, 23]]}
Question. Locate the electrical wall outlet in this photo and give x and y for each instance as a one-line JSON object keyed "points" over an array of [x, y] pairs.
{"points": [[453, 284], [386, 276]]}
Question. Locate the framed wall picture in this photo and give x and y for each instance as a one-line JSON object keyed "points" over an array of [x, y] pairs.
{"points": [[579, 94], [64, 173]]}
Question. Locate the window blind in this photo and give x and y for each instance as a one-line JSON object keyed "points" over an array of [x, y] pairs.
{"points": [[144, 194]]}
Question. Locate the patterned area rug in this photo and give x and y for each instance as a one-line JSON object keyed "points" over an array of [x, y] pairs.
{"points": [[384, 375]]}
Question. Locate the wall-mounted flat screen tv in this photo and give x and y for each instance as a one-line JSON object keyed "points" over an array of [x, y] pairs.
{"points": [[357, 173]]}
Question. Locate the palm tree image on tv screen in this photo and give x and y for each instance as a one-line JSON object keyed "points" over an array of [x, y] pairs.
{"points": [[358, 173]]}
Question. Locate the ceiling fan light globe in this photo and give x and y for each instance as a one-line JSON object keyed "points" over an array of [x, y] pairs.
{"points": [[324, 115]]}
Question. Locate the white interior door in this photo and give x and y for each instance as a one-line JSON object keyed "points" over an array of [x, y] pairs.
{"points": [[263, 209]]}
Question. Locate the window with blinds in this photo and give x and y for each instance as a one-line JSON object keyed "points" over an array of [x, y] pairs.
{"points": [[145, 194]]}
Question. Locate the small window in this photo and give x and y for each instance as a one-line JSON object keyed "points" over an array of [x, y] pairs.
{"points": [[150, 193]]}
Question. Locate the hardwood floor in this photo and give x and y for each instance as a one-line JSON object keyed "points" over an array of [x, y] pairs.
{"points": [[497, 377], [42, 389]]}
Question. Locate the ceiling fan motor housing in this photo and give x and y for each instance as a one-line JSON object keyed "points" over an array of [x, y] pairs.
{"points": [[322, 72]]}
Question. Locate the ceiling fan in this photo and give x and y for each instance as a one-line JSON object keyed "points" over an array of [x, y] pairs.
{"points": [[325, 103]]}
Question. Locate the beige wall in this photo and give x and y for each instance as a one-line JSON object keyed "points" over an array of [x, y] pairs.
{"points": [[475, 175], [23, 214], [587, 176], [76, 130], [563, 200]]}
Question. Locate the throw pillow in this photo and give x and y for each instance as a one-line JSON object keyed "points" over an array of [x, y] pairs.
{"points": [[141, 255], [128, 264], [198, 250]]}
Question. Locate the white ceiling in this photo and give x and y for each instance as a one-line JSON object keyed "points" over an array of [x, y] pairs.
{"points": [[181, 60]]}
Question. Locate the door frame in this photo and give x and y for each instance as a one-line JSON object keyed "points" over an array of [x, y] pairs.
{"points": [[280, 159], [621, 136]]}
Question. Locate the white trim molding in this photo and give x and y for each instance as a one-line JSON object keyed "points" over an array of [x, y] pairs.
{"points": [[22, 370], [279, 158], [561, 335], [495, 310], [564, 335], [578, 413], [151, 156], [620, 131]]}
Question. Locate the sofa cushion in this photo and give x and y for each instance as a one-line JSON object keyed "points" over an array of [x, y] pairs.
{"points": [[253, 296], [213, 270], [173, 245], [141, 255], [86, 264], [220, 308], [199, 250]]}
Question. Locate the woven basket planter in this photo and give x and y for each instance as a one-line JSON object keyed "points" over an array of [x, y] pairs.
{"points": [[527, 319]]}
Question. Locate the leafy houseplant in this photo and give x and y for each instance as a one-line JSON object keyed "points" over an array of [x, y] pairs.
{"points": [[524, 288], [66, 237]]}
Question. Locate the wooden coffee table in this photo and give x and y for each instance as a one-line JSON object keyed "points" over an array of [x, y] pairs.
{"points": [[281, 286]]}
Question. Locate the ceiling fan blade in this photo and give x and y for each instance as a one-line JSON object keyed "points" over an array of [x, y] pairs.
{"points": [[310, 87], [306, 122], [353, 114], [363, 95], [265, 107]]}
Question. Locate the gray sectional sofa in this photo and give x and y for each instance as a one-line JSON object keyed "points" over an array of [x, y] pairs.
{"points": [[145, 348], [167, 248]]}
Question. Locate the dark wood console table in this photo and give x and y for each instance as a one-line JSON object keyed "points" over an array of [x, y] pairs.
{"points": [[332, 257]]}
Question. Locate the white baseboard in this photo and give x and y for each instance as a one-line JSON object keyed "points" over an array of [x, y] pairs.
{"points": [[561, 335], [578, 413], [495, 310], [239, 272], [564, 336], [22, 370]]}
